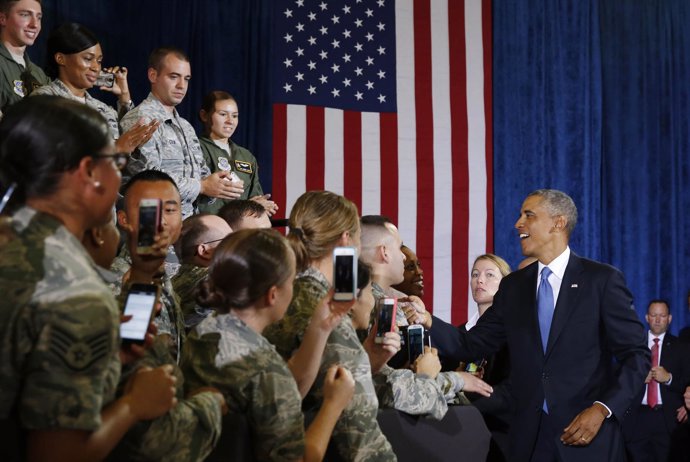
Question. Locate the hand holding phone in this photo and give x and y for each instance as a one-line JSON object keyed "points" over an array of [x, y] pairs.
{"points": [[387, 308], [149, 224], [105, 79], [428, 363], [344, 273], [415, 342]]}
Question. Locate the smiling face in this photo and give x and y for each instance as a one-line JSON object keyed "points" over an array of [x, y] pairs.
{"points": [[80, 70], [542, 236], [413, 282], [224, 119], [21, 24]]}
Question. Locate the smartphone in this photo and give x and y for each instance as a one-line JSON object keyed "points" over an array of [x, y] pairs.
{"points": [[344, 273], [140, 304], [149, 224], [105, 79], [415, 341], [475, 365], [386, 317]]}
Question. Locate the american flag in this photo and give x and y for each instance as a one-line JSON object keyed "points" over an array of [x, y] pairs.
{"points": [[389, 103]]}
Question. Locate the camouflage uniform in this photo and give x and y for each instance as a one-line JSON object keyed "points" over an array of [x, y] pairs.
{"points": [[188, 432], [397, 388], [357, 435], [173, 149], [56, 87], [185, 283], [14, 78], [223, 352], [59, 353], [169, 321], [240, 161]]}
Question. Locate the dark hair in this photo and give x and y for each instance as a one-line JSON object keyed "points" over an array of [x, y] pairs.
{"points": [[659, 300], [234, 211], [317, 221], [192, 234], [68, 39], [208, 104], [43, 137], [244, 267], [375, 220], [159, 54], [147, 175], [6, 5]]}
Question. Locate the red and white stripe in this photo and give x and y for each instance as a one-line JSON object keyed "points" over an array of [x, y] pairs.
{"points": [[428, 167]]}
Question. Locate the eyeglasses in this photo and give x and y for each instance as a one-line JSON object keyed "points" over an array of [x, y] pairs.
{"points": [[196, 252], [212, 242], [120, 159]]}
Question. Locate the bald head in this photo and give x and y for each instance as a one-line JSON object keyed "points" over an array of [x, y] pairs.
{"points": [[200, 235]]}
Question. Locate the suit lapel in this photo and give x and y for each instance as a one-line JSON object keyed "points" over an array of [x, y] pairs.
{"points": [[567, 299]]}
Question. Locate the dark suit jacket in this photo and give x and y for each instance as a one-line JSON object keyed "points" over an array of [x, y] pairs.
{"points": [[593, 323], [675, 357]]}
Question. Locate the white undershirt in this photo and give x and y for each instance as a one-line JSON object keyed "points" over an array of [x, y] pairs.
{"points": [[18, 59]]}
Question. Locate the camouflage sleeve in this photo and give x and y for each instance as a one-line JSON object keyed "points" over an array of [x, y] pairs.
{"points": [[188, 432], [403, 390], [450, 383], [66, 371]]}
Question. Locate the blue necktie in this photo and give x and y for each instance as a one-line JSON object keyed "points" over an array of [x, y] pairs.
{"points": [[545, 306]]}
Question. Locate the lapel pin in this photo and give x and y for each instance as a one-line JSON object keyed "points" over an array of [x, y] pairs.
{"points": [[573, 286]]}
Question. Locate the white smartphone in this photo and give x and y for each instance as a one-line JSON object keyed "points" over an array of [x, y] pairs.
{"points": [[344, 273], [149, 224], [415, 342], [140, 304]]}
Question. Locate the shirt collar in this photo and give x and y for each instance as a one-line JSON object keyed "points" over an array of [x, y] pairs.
{"points": [[651, 336], [558, 265]]}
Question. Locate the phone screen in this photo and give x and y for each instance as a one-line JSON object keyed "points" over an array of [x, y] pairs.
{"points": [[415, 339], [148, 224], [139, 305], [386, 314], [344, 279]]}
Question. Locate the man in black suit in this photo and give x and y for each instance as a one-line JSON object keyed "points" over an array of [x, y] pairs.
{"points": [[569, 393], [652, 432]]}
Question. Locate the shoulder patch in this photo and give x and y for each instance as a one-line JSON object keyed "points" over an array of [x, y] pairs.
{"points": [[244, 167], [18, 87], [78, 354], [223, 164]]}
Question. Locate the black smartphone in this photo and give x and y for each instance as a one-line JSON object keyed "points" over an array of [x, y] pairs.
{"points": [[140, 304], [415, 342], [149, 224], [344, 273], [386, 317]]}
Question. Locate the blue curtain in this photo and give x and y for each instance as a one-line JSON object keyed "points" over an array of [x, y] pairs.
{"points": [[228, 43], [591, 97]]}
